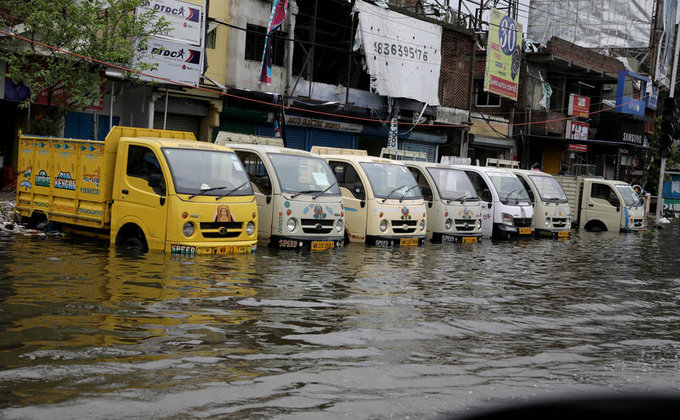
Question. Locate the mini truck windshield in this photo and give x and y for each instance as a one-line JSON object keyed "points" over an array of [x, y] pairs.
{"points": [[549, 189], [508, 186], [304, 174], [453, 184], [629, 195], [207, 172], [389, 180]]}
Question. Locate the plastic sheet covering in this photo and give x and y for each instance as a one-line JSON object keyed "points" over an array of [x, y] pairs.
{"points": [[403, 54], [592, 23]]}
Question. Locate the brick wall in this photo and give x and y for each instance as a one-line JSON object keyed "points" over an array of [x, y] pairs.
{"points": [[454, 77], [583, 57]]}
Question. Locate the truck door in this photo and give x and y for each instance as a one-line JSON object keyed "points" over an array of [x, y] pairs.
{"points": [[262, 187], [353, 197], [602, 205], [138, 199], [484, 193]]}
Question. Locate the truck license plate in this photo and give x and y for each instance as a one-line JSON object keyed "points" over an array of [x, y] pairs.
{"points": [[408, 242], [232, 249], [563, 234], [322, 245], [525, 231], [469, 240]]}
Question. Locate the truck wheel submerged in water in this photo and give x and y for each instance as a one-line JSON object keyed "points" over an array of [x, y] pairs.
{"points": [[595, 226], [131, 237]]}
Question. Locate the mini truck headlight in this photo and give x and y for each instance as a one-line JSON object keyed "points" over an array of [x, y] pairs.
{"points": [[478, 223], [250, 228], [547, 221], [448, 223], [188, 229], [422, 224], [383, 225], [507, 219], [291, 224], [339, 225]]}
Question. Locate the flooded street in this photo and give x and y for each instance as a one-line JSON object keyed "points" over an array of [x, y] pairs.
{"points": [[360, 332]]}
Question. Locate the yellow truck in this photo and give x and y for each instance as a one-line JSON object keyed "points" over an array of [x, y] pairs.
{"points": [[143, 188]]}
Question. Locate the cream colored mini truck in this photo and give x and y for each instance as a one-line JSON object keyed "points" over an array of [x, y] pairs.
{"points": [[552, 213], [298, 198], [454, 212], [383, 204]]}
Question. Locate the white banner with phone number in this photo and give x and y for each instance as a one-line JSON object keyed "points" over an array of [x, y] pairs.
{"points": [[403, 54]]}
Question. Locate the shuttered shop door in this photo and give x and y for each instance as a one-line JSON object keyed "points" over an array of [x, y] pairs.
{"points": [[429, 148], [178, 122], [331, 139], [296, 138]]}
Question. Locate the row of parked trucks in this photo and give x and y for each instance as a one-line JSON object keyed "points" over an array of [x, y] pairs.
{"points": [[158, 189]]}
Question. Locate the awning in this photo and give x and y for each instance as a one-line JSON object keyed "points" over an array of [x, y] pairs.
{"points": [[493, 142]]}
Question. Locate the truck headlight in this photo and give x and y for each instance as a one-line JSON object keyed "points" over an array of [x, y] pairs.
{"points": [[339, 226], [188, 229], [383, 225], [250, 228], [547, 221], [478, 224], [507, 219], [568, 226], [291, 224], [422, 224], [448, 223]]}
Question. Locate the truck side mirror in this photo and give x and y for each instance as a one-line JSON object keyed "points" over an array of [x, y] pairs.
{"points": [[486, 196], [156, 183], [358, 190]]}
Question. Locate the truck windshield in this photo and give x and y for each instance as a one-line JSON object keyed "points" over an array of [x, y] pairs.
{"points": [[629, 195], [304, 174], [453, 184], [389, 180], [549, 189], [509, 188], [207, 172]]}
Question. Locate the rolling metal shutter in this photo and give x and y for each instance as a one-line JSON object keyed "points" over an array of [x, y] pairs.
{"points": [[296, 138], [178, 122], [331, 139], [429, 148]]}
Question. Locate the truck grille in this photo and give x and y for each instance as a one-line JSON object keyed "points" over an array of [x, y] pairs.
{"points": [[316, 226], [559, 222], [464, 225], [216, 230], [403, 226], [638, 222], [522, 222]]}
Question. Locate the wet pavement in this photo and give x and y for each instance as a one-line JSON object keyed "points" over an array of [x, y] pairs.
{"points": [[87, 331]]}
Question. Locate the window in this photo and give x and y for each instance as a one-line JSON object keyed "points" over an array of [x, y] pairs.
{"points": [[527, 187], [604, 192], [422, 183], [256, 171], [348, 178], [483, 98], [211, 39], [481, 188], [255, 36], [142, 163]]}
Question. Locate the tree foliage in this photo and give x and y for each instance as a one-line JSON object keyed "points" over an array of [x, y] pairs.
{"points": [[652, 172], [65, 44]]}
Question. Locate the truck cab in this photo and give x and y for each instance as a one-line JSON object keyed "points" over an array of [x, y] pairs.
{"points": [[552, 213], [454, 212], [506, 208], [298, 197], [382, 201]]}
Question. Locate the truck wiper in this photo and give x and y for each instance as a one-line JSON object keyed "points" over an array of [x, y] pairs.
{"points": [[230, 192], [407, 190], [303, 192], [507, 197], [392, 192], [207, 190], [324, 191]]}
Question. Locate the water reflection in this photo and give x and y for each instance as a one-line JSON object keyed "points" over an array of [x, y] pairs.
{"points": [[363, 332]]}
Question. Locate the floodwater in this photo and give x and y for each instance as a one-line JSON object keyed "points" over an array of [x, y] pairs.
{"points": [[361, 332]]}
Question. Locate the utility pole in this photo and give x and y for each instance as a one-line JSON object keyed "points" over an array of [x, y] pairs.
{"points": [[662, 166]]}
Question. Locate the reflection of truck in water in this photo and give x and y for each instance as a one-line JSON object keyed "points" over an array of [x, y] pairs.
{"points": [[552, 214], [599, 204], [298, 197], [383, 204], [144, 188]]}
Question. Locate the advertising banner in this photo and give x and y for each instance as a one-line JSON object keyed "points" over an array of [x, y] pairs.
{"points": [[664, 52], [578, 147], [403, 54], [579, 106], [185, 19], [577, 130], [176, 62], [503, 55]]}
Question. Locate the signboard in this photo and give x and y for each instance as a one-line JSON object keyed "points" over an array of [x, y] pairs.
{"points": [[578, 147], [632, 138], [579, 106], [577, 130], [185, 19], [403, 54], [503, 54], [176, 62], [652, 97], [627, 104], [324, 124], [664, 52]]}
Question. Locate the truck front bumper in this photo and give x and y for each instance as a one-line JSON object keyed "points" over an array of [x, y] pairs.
{"points": [[315, 243], [503, 231], [457, 237], [211, 248], [386, 240]]}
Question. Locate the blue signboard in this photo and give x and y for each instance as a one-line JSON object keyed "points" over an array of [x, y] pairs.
{"points": [[653, 98], [628, 104]]}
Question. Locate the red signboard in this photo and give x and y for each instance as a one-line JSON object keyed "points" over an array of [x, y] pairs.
{"points": [[578, 147], [577, 130], [579, 106]]}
